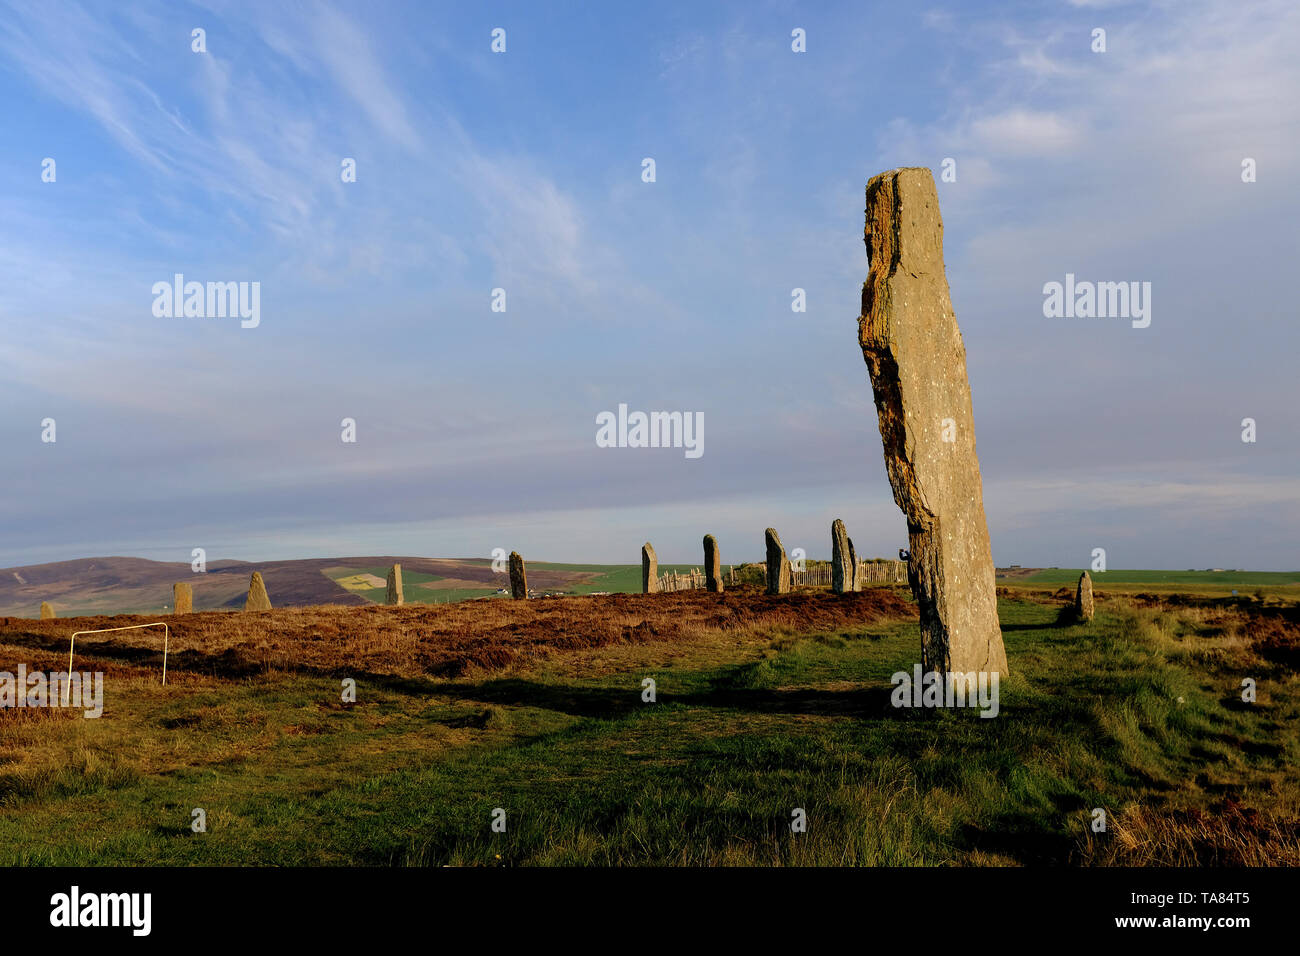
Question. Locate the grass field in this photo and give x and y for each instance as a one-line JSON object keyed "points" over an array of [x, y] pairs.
{"points": [[1283, 585], [626, 579], [765, 704], [614, 578], [415, 587], [586, 579]]}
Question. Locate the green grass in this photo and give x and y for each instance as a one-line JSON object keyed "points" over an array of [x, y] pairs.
{"points": [[447, 595], [412, 589], [1278, 584], [615, 578], [408, 577], [1138, 708], [1232, 579]]}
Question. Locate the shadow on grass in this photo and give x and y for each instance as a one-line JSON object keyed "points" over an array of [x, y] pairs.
{"points": [[1025, 627], [1021, 836], [869, 702]]}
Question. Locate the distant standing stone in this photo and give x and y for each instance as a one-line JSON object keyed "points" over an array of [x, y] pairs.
{"points": [[778, 565], [518, 577], [1083, 606], [257, 600], [47, 612], [841, 559], [712, 565], [182, 598], [649, 569], [857, 568], [394, 596]]}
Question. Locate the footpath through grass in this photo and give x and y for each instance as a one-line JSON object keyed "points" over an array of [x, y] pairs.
{"points": [[1138, 713]]}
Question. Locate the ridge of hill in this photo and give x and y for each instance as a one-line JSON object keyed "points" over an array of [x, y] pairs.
{"points": [[125, 585]]}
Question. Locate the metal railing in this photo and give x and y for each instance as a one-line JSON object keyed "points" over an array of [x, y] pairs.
{"points": [[103, 630]]}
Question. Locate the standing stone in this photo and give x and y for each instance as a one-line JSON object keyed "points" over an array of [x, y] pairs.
{"points": [[778, 565], [182, 598], [649, 569], [841, 559], [857, 568], [394, 595], [1083, 606], [47, 611], [518, 577], [712, 565], [917, 361], [257, 599]]}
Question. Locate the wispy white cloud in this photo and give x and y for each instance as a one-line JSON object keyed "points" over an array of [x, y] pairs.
{"points": [[1023, 132], [346, 51]]}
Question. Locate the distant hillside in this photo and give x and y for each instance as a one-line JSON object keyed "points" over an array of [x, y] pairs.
{"points": [[118, 585]]}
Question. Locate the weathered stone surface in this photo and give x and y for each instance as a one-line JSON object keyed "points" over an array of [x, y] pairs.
{"points": [[712, 565], [917, 361], [857, 568], [393, 597], [182, 598], [778, 565], [649, 569], [47, 611], [518, 577], [257, 599], [842, 564], [1083, 605]]}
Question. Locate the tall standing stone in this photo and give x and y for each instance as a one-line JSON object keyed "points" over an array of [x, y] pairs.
{"points": [[257, 599], [778, 565], [393, 597], [917, 361], [182, 598], [518, 577], [1083, 604], [47, 611], [857, 568], [649, 569], [841, 559], [712, 565]]}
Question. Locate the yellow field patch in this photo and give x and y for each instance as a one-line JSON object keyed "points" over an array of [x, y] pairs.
{"points": [[362, 582], [448, 584]]}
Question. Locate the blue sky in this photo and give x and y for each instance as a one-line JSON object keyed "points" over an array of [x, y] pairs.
{"points": [[476, 429]]}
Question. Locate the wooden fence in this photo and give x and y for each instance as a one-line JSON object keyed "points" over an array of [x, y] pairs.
{"points": [[869, 572], [882, 572], [684, 580]]}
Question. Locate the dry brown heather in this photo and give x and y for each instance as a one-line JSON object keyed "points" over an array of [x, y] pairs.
{"points": [[1227, 835], [444, 640]]}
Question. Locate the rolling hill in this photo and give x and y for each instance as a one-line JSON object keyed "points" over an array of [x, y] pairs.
{"points": [[121, 585]]}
